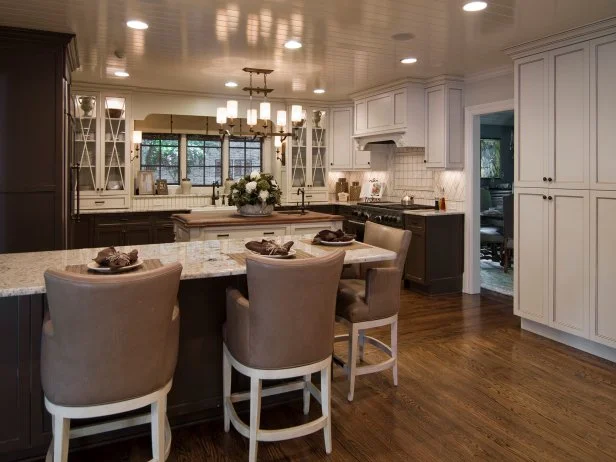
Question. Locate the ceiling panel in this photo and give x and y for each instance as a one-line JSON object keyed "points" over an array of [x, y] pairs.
{"points": [[197, 45]]}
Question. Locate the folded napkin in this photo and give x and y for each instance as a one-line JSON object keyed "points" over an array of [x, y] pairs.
{"points": [[266, 247], [113, 259], [332, 236]]}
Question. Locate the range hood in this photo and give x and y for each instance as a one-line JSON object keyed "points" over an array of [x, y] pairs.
{"points": [[363, 143]]}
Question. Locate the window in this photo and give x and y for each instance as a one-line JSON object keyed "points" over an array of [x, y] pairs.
{"points": [[203, 159], [160, 153], [244, 156]]}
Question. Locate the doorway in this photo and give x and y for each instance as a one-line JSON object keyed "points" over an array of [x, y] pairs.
{"points": [[479, 251]]}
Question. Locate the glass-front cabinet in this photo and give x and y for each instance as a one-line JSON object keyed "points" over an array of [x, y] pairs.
{"points": [[102, 148], [307, 166]]}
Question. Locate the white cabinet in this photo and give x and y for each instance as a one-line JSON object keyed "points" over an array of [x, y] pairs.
{"points": [[602, 258], [445, 126], [603, 113], [102, 148], [552, 261], [362, 159], [341, 141], [552, 118]]}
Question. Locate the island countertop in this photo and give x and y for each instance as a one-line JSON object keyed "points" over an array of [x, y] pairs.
{"points": [[216, 219], [22, 273]]}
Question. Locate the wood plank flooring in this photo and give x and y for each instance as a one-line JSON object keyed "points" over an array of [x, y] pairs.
{"points": [[473, 386]]}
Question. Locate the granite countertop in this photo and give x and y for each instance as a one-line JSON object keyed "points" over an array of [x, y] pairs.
{"points": [[212, 219], [432, 213], [22, 273]]}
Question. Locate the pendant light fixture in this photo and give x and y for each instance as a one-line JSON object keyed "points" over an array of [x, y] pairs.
{"points": [[281, 119]]}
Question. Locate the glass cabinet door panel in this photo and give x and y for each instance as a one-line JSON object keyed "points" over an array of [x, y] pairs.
{"points": [[114, 145], [298, 156], [85, 136], [319, 148]]}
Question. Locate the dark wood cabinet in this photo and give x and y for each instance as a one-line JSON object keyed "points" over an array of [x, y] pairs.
{"points": [[435, 261]]}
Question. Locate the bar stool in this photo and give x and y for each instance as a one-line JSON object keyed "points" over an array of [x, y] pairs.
{"points": [[372, 299], [110, 345], [285, 330]]}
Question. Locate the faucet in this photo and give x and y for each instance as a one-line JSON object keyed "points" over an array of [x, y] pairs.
{"points": [[302, 192], [215, 195]]}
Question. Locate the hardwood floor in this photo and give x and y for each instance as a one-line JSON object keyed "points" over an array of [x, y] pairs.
{"points": [[473, 386]]}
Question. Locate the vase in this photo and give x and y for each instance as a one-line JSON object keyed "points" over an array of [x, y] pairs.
{"points": [[186, 186], [256, 210]]}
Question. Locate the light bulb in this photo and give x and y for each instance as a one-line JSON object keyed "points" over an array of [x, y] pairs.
{"points": [[137, 136], [232, 109], [221, 115], [296, 113], [251, 117], [277, 142], [265, 111], [281, 118]]}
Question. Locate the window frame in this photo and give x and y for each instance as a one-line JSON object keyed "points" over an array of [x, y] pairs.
{"points": [[157, 168], [244, 139], [205, 138]]}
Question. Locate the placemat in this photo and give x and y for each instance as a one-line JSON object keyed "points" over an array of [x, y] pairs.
{"points": [[147, 266], [240, 258], [353, 246]]}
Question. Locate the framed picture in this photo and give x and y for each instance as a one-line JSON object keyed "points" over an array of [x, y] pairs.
{"points": [[491, 165]]}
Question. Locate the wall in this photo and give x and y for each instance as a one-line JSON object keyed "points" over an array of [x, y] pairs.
{"points": [[488, 90]]}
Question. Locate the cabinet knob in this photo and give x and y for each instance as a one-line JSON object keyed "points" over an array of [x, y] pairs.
{"points": [[545, 197], [331, 163], [425, 161], [368, 163], [549, 198], [545, 179], [549, 180]]}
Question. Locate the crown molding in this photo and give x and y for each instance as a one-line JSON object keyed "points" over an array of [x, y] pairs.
{"points": [[568, 37], [488, 74], [386, 87]]}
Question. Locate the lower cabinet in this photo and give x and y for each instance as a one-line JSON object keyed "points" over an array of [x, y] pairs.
{"points": [[553, 262]]}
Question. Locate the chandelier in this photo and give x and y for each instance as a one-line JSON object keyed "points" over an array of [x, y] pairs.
{"points": [[225, 116]]}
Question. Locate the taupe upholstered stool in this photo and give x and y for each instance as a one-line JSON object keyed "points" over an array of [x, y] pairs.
{"points": [[371, 298], [110, 345], [284, 330]]}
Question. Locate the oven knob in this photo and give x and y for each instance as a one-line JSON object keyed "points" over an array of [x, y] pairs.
{"points": [[391, 218], [398, 219], [378, 219], [366, 215], [356, 213]]}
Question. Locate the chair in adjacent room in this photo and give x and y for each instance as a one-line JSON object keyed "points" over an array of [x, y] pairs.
{"points": [[110, 345], [507, 250], [370, 300], [283, 330]]}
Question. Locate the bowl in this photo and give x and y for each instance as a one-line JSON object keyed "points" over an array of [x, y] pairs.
{"points": [[115, 113]]}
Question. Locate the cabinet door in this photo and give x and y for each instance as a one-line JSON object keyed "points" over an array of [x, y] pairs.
{"points": [[380, 112], [531, 292], [435, 127], [531, 120], [603, 113], [319, 148], [341, 121], [361, 119], [362, 159], [137, 234], [87, 140], [415, 269], [602, 258], [568, 150], [109, 235], [163, 233], [115, 145], [298, 169], [569, 267]]}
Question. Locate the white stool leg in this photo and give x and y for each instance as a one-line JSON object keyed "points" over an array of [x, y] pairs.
{"points": [[255, 416], [158, 414], [226, 389], [394, 349], [362, 344], [352, 360], [326, 404], [307, 379], [61, 429]]}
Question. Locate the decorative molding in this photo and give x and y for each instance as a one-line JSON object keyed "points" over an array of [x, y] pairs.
{"points": [[443, 79], [386, 87], [568, 37], [398, 137], [489, 74], [73, 55]]}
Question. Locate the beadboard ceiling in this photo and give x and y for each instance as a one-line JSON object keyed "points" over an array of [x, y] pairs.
{"points": [[197, 45]]}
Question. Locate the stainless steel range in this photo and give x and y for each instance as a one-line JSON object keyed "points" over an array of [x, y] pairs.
{"points": [[385, 213]]}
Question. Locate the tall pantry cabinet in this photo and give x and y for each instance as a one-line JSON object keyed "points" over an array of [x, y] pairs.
{"points": [[565, 183]]}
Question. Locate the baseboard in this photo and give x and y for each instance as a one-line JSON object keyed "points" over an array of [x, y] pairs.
{"points": [[574, 341]]}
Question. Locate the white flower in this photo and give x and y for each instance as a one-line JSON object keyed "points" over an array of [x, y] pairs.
{"points": [[263, 195], [236, 192], [255, 175], [274, 183], [251, 187]]}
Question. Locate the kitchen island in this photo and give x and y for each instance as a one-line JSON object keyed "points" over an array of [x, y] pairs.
{"points": [[25, 429], [201, 226]]}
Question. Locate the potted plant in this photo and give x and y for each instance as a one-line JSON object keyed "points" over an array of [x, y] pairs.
{"points": [[255, 194]]}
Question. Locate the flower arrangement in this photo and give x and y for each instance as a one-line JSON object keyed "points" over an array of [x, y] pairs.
{"points": [[255, 189]]}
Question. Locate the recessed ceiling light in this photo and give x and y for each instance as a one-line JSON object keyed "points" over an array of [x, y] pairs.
{"points": [[293, 45], [408, 60], [121, 74], [231, 84], [319, 91], [475, 6], [136, 24]]}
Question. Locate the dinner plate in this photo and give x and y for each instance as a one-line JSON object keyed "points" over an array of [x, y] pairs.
{"points": [[291, 254], [105, 269], [337, 244]]}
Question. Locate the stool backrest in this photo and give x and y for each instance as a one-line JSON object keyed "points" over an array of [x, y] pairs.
{"points": [[292, 309], [109, 337], [386, 237]]}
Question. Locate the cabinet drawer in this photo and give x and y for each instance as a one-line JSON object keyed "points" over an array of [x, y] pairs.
{"points": [[311, 196], [415, 223], [122, 218], [245, 233], [104, 203]]}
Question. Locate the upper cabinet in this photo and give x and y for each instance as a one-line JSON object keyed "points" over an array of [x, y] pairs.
{"points": [[341, 141], [603, 113], [445, 125], [101, 152], [398, 109]]}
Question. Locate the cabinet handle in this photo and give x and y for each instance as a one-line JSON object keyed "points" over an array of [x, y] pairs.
{"points": [[308, 197], [99, 202], [222, 235], [549, 198], [123, 219], [269, 233]]}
